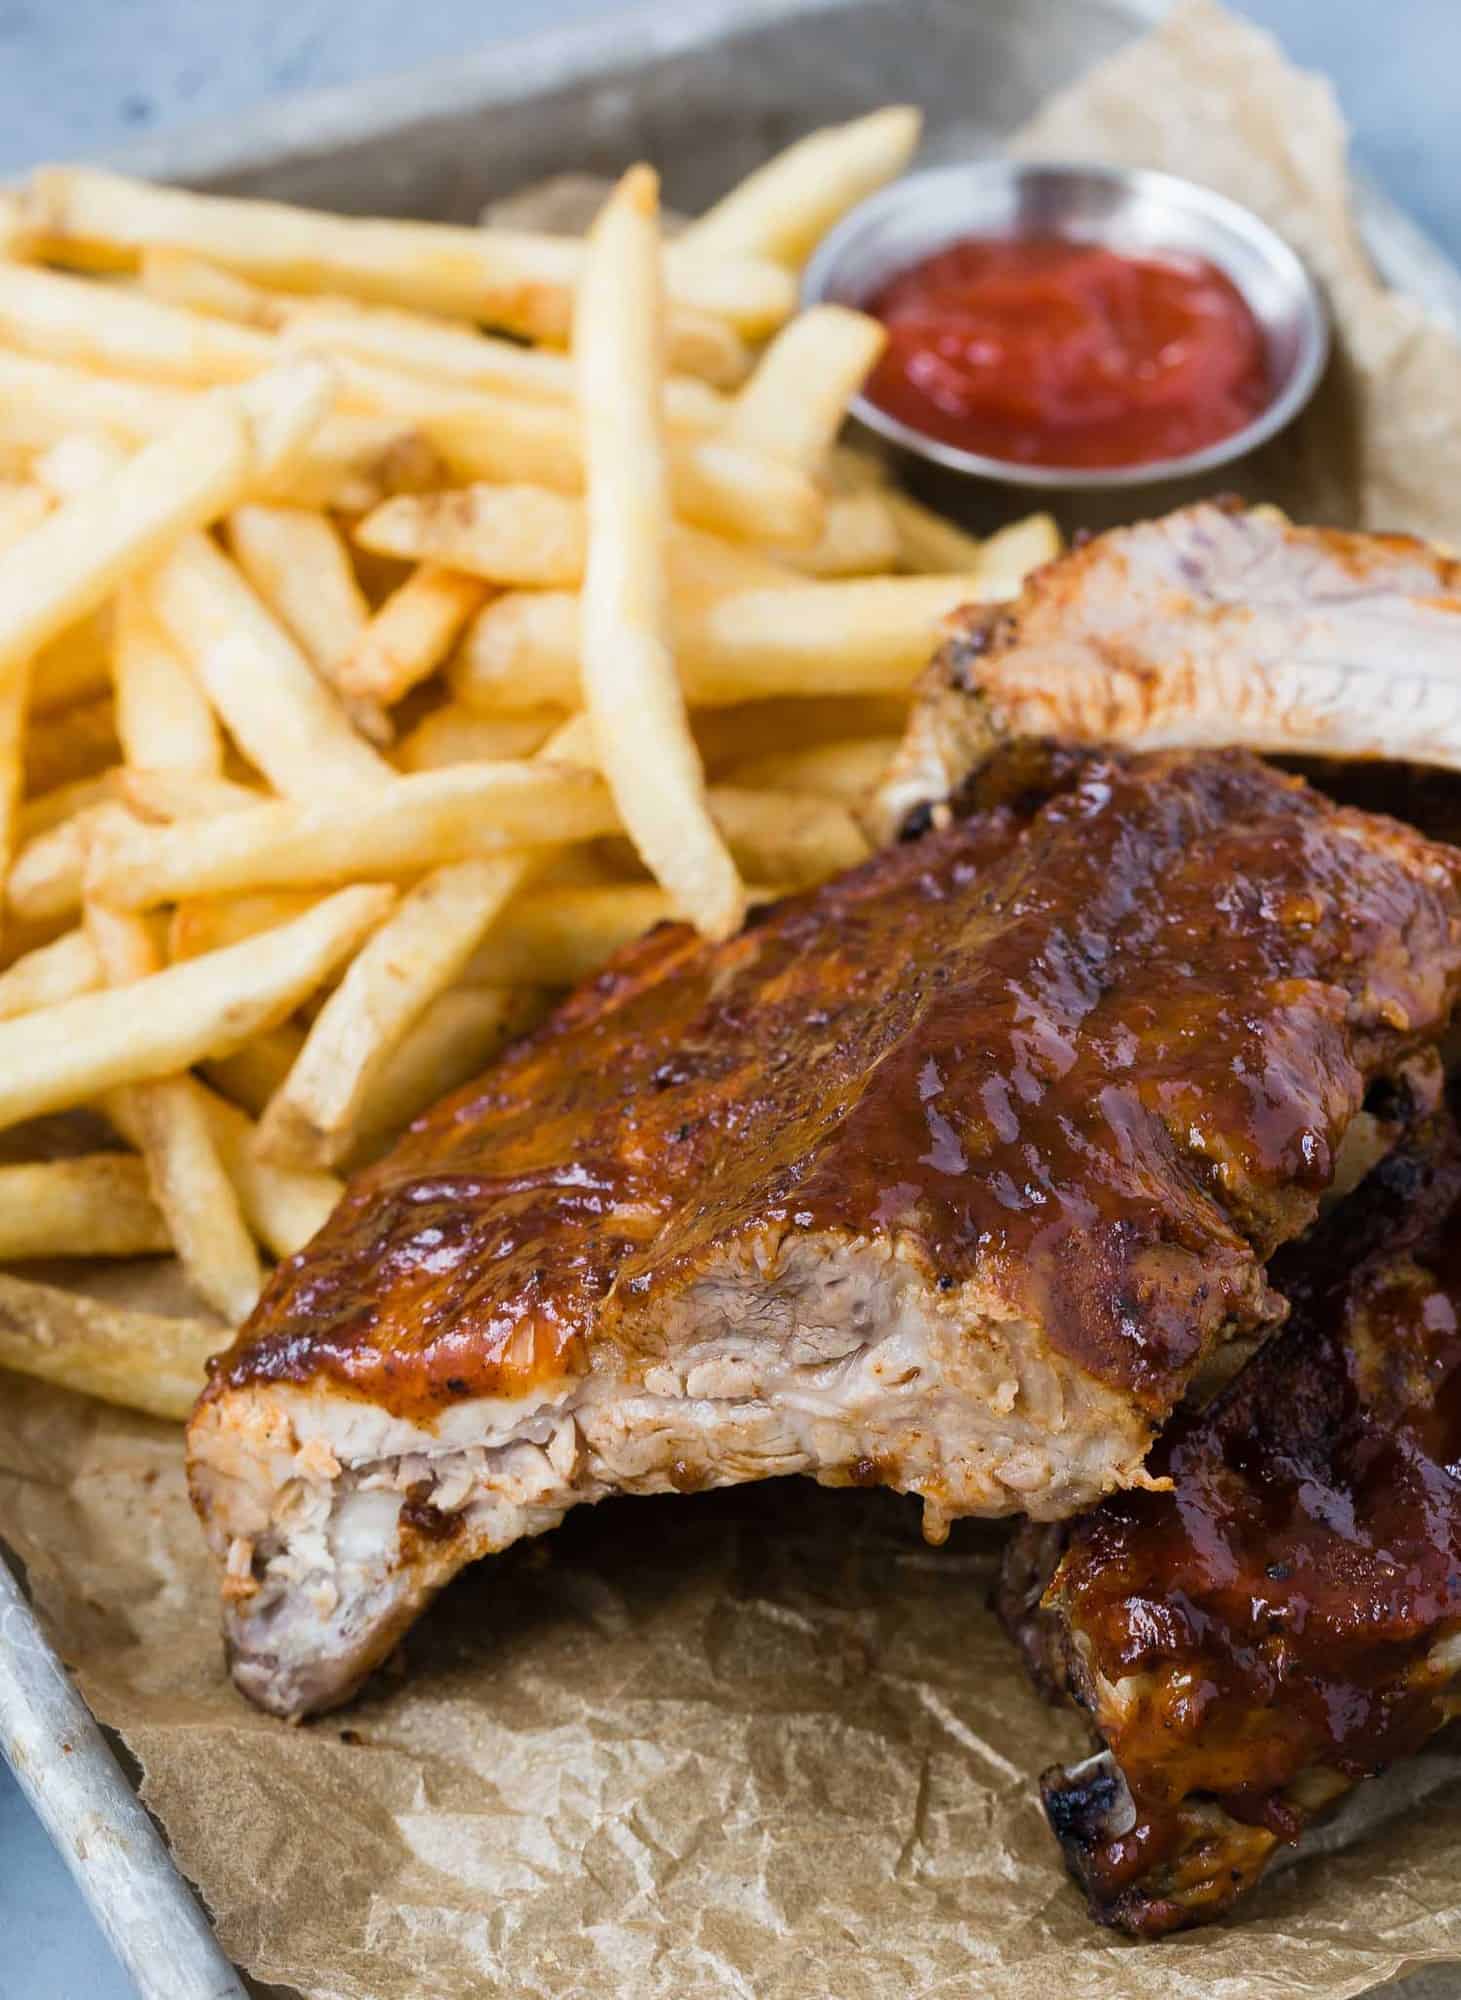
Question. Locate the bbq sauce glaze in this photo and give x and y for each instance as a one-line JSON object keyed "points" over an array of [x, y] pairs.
{"points": [[1282, 1605], [1094, 1043]]}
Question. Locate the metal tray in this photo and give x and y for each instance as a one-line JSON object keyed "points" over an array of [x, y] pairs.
{"points": [[706, 89]]}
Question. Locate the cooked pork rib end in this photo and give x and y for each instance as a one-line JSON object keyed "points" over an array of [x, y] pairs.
{"points": [[957, 1174], [1215, 624], [338, 1521], [1286, 1621]]}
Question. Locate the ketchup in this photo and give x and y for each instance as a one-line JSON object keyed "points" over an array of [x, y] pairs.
{"points": [[1044, 351]]}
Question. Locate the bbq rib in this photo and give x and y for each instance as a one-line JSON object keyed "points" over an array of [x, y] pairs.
{"points": [[1211, 625], [954, 1175], [1287, 1619]]}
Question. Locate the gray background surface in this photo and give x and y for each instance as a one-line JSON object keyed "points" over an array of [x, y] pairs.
{"points": [[87, 76]]}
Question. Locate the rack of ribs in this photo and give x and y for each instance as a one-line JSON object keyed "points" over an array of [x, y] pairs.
{"points": [[957, 1175], [1286, 1619]]}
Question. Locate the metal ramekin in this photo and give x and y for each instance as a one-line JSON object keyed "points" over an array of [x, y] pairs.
{"points": [[1123, 208]]}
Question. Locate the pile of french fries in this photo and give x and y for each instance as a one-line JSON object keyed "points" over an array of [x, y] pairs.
{"points": [[395, 619]]}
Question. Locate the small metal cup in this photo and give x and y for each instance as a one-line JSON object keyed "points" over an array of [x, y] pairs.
{"points": [[1125, 209]]}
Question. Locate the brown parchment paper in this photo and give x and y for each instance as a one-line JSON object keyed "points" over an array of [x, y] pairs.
{"points": [[761, 1743]]}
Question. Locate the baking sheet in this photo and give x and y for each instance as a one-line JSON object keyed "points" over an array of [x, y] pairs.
{"points": [[764, 1740]]}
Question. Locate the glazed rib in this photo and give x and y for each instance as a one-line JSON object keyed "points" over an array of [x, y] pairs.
{"points": [[954, 1175], [1211, 625], [1286, 1621]]}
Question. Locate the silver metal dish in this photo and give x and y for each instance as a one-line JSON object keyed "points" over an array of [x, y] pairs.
{"points": [[1123, 208]]}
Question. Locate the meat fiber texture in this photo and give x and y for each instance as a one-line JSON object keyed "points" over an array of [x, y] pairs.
{"points": [[954, 1175], [763, 1741]]}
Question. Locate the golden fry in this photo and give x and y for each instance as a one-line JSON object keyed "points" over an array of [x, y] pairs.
{"points": [[142, 1361], [169, 1127], [126, 334], [297, 561], [414, 823], [509, 278], [454, 735], [250, 1076], [412, 633], [457, 1037], [416, 954], [795, 403], [867, 635], [72, 1053], [51, 973], [784, 207], [78, 555], [847, 771], [630, 686], [163, 718], [276, 708], [97, 1205]]}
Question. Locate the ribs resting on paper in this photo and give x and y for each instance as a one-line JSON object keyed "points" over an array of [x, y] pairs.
{"points": [[1287, 1619], [954, 1175]]}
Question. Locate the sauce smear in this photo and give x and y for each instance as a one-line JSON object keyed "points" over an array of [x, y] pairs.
{"points": [[1043, 351]]}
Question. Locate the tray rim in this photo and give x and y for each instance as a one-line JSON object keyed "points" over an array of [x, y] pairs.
{"points": [[310, 125]]}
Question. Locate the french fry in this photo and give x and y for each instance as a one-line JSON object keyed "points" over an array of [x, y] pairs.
{"points": [[782, 208], [75, 558], [44, 884], [411, 634], [250, 1076], [557, 937], [170, 1129], [43, 402], [457, 1037], [414, 823], [505, 534], [298, 563], [61, 318], [275, 706], [868, 635], [460, 356], [1007, 557], [48, 809], [795, 402], [927, 543], [23, 506], [859, 538], [530, 535], [420, 949], [285, 1206], [630, 686], [847, 771], [95, 1205], [51, 973], [509, 278], [701, 345], [163, 719], [142, 1361], [72, 1053], [787, 837], [454, 735], [213, 922], [731, 488], [14, 704], [166, 795], [178, 278]]}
